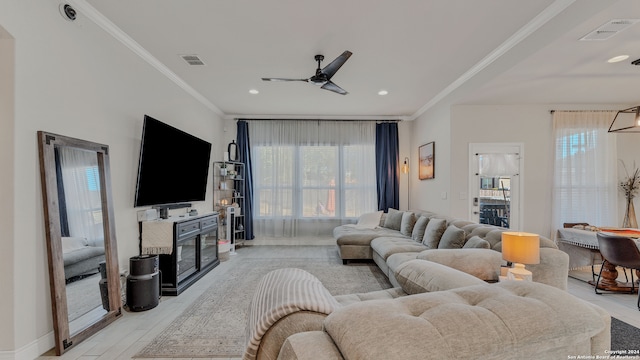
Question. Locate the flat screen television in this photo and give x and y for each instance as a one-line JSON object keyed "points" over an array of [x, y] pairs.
{"points": [[173, 166]]}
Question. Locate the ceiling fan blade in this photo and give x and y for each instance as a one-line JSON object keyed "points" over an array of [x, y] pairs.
{"points": [[333, 87], [333, 66], [284, 79]]}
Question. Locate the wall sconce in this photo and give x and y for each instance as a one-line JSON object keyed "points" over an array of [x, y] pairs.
{"points": [[626, 121], [405, 166]]}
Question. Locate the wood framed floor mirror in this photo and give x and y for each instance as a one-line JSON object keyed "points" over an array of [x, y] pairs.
{"points": [[80, 235]]}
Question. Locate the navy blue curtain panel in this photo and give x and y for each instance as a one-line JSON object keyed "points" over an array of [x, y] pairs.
{"points": [[62, 202], [387, 176], [244, 156]]}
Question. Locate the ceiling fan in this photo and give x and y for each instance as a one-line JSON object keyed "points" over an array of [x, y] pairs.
{"points": [[323, 76]]}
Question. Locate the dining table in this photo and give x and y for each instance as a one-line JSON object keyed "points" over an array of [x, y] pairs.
{"points": [[583, 249]]}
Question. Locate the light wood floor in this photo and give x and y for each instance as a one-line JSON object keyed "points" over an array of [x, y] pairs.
{"points": [[128, 335]]}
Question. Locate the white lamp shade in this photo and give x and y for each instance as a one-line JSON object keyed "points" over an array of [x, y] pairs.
{"points": [[521, 247]]}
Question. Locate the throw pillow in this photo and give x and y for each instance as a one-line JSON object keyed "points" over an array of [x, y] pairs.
{"points": [[477, 242], [452, 238], [418, 228], [73, 243], [393, 219], [407, 223], [433, 233], [369, 220]]}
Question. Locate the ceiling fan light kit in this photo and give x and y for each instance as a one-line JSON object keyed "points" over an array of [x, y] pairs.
{"points": [[322, 77]]}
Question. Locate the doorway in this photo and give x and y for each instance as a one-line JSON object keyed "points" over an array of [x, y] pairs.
{"points": [[496, 183]]}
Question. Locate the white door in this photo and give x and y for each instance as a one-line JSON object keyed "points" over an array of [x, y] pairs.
{"points": [[495, 184]]}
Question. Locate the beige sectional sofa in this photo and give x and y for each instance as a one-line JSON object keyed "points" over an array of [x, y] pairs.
{"points": [[464, 245], [436, 313]]}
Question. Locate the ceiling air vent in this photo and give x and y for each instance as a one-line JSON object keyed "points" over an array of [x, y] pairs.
{"points": [[192, 59], [608, 29]]}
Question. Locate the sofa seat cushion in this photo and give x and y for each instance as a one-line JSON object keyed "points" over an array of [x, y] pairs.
{"points": [[78, 255], [316, 345], [508, 320], [420, 276], [485, 265], [387, 246], [351, 234], [395, 260], [373, 295]]}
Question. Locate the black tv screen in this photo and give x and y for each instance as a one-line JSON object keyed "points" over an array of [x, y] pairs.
{"points": [[173, 167]]}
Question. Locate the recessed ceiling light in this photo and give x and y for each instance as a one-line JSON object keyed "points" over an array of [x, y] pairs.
{"points": [[253, 91], [383, 92], [619, 58]]}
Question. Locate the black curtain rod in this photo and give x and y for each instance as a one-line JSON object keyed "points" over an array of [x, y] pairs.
{"points": [[378, 120], [552, 111]]}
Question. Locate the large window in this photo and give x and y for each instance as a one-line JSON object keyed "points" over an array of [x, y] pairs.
{"points": [[310, 176], [585, 174]]}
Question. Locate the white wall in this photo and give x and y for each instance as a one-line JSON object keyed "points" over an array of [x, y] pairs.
{"points": [[74, 79], [629, 152], [433, 194], [6, 182], [405, 150], [527, 124], [530, 125]]}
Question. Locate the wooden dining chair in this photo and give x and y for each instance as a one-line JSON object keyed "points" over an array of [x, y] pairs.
{"points": [[619, 251]]}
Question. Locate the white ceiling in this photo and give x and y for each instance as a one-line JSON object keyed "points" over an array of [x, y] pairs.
{"points": [[476, 52]]}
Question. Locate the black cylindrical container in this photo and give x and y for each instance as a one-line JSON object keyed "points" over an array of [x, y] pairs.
{"points": [[143, 283]]}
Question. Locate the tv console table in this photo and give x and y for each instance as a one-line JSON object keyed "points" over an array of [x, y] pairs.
{"points": [[187, 247]]}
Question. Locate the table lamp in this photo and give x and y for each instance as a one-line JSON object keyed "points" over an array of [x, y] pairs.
{"points": [[520, 248]]}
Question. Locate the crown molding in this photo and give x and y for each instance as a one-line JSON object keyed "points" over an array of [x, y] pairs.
{"points": [[531, 27], [94, 15]]}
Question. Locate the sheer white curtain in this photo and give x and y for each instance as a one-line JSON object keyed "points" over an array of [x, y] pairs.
{"points": [[310, 176], [585, 174], [81, 181], [494, 165]]}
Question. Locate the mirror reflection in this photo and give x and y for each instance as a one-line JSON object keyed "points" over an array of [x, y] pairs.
{"points": [[82, 234]]}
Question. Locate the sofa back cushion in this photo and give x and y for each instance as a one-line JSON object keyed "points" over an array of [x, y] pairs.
{"points": [[452, 238], [70, 244], [418, 228], [393, 220], [407, 223], [433, 232]]}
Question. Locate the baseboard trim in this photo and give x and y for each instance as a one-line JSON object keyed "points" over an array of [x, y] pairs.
{"points": [[31, 350]]}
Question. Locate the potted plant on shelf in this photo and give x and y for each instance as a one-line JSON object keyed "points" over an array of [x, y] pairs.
{"points": [[223, 169]]}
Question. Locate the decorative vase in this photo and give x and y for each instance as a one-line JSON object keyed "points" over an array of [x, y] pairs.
{"points": [[630, 220]]}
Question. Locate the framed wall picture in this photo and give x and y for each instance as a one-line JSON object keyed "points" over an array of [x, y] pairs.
{"points": [[427, 161]]}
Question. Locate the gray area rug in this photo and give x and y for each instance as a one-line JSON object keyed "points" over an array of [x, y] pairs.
{"points": [[83, 295], [214, 325], [624, 337]]}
